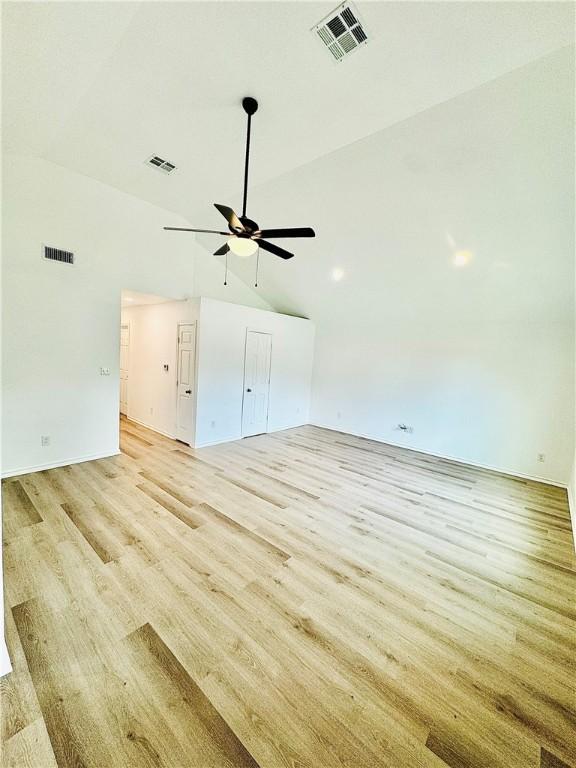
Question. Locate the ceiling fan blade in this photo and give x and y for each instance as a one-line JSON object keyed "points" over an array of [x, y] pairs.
{"points": [[293, 232], [222, 250], [209, 231], [230, 216], [274, 249]]}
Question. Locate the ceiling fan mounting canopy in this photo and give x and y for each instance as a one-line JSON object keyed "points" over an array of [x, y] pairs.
{"points": [[250, 105], [242, 227]]}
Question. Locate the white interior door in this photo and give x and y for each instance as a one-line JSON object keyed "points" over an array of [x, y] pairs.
{"points": [[124, 358], [256, 383], [186, 378]]}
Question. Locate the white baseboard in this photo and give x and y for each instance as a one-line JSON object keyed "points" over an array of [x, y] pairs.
{"points": [[289, 426], [151, 428], [208, 443], [455, 459], [61, 463], [239, 437]]}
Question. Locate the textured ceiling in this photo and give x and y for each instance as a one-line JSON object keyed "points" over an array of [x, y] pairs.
{"points": [[450, 130], [489, 173], [98, 87]]}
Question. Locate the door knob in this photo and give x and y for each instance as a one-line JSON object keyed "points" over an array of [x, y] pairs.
{"points": [[248, 390], [188, 391]]}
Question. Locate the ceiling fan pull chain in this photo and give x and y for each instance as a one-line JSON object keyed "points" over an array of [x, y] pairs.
{"points": [[226, 270], [257, 266]]}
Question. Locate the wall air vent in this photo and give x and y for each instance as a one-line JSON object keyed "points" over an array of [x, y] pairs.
{"points": [[57, 254], [341, 32], [162, 165]]}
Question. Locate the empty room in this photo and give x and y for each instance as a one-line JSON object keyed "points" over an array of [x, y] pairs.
{"points": [[288, 385]]}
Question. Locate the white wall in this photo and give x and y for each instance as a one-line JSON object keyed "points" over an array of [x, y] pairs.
{"points": [[471, 392], [478, 359], [153, 343], [221, 336], [62, 323], [221, 341], [209, 277]]}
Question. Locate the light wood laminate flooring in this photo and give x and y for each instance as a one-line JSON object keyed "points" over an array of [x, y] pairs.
{"points": [[299, 599]]}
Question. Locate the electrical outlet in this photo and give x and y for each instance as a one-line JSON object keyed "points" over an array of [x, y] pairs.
{"points": [[104, 371], [542, 457], [44, 440]]}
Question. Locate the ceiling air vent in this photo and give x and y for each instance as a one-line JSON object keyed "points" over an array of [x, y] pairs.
{"points": [[341, 32], [57, 254], [162, 165]]}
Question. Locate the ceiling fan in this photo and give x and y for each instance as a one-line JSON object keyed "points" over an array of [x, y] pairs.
{"points": [[245, 236]]}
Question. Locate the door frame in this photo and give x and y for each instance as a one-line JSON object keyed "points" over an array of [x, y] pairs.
{"points": [[195, 388], [129, 324], [271, 334]]}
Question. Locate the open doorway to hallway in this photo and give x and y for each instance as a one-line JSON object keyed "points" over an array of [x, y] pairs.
{"points": [[158, 364]]}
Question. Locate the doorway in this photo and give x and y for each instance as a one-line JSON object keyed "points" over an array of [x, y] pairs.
{"points": [[157, 364], [255, 402]]}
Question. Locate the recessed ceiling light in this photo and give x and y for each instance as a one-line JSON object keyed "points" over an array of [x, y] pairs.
{"points": [[337, 274], [462, 258]]}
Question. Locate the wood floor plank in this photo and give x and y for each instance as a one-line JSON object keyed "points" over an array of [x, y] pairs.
{"points": [[305, 598], [29, 748], [548, 760], [214, 514], [166, 500], [232, 749], [66, 735], [94, 534], [21, 509]]}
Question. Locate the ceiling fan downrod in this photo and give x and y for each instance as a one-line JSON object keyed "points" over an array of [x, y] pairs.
{"points": [[250, 106], [244, 236]]}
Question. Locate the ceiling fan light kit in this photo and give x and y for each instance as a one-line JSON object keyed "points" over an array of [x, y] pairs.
{"points": [[245, 236], [242, 246]]}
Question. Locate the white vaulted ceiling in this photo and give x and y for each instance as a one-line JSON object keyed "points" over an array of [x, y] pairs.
{"points": [[99, 87]]}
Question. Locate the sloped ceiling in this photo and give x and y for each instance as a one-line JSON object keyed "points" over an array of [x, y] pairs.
{"points": [[99, 87], [461, 214], [359, 150]]}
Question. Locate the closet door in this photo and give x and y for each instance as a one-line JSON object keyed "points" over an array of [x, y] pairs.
{"points": [[256, 383], [186, 382]]}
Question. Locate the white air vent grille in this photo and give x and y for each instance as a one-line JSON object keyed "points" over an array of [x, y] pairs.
{"points": [[341, 32], [160, 164], [57, 254]]}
